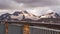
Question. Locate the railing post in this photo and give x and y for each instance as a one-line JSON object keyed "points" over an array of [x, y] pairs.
{"points": [[26, 29], [6, 27]]}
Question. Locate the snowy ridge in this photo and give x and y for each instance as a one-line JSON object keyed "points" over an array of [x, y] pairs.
{"points": [[21, 15]]}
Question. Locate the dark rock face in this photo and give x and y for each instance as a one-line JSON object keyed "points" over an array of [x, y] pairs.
{"points": [[54, 17], [57, 15], [17, 13], [4, 16], [51, 15], [7, 16]]}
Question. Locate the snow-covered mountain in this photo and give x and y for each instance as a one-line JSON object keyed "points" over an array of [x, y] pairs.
{"points": [[22, 15], [50, 15], [19, 15]]}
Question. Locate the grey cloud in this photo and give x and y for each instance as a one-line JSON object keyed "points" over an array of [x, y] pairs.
{"points": [[40, 2], [8, 4], [11, 4], [16, 4], [4, 4]]}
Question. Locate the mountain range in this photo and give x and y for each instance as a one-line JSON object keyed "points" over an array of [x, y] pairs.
{"points": [[22, 15]]}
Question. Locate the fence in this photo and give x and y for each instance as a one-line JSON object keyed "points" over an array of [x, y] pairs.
{"points": [[43, 30], [26, 29]]}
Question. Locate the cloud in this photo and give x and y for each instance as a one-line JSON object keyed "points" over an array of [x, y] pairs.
{"points": [[40, 10], [25, 4], [16, 4], [40, 2], [10, 4]]}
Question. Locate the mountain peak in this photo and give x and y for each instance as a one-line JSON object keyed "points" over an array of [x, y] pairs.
{"points": [[50, 15]]}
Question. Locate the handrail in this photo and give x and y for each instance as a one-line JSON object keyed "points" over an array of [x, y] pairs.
{"points": [[27, 24], [31, 22]]}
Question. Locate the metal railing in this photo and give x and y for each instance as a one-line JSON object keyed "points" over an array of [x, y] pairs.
{"points": [[43, 30], [31, 28]]}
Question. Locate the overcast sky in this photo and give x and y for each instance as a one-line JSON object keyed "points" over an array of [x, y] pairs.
{"points": [[20, 4], [29, 3]]}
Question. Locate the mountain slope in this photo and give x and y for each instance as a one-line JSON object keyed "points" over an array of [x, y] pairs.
{"points": [[50, 15]]}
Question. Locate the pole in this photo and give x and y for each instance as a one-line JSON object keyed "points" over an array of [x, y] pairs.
{"points": [[6, 28], [26, 29]]}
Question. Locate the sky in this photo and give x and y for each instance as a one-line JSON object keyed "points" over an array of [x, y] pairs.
{"points": [[37, 6]]}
